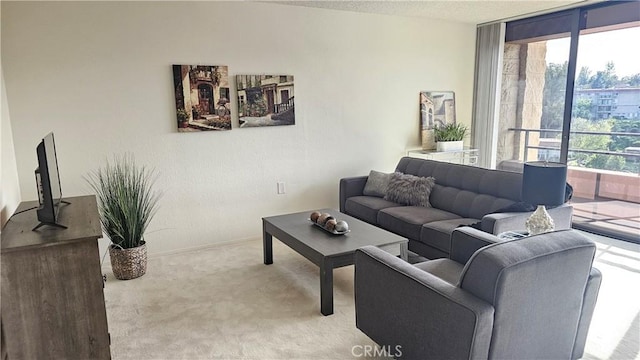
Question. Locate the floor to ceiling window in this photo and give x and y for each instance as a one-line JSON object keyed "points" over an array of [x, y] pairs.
{"points": [[571, 93]]}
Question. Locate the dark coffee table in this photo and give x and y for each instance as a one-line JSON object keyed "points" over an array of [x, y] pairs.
{"points": [[324, 249]]}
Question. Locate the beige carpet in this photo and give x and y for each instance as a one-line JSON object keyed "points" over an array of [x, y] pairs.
{"points": [[223, 303]]}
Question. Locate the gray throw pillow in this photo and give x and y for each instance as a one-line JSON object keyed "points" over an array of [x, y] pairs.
{"points": [[409, 189], [376, 184]]}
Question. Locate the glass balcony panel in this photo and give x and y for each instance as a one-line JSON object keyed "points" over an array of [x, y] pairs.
{"points": [[604, 142], [605, 100]]}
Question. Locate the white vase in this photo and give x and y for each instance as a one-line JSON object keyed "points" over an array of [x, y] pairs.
{"points": [[450, 145]]}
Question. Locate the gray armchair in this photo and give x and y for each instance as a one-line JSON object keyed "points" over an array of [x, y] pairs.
{"points": [[530, 298]]}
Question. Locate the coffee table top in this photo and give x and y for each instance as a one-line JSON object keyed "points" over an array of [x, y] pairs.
{"points": [[299, 227]]}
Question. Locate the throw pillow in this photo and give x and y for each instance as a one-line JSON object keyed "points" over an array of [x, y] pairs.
{"points": [[376, 184], [409, 189]]}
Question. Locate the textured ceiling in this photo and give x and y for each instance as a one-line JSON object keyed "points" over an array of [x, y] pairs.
{"points": [[468, 11]]}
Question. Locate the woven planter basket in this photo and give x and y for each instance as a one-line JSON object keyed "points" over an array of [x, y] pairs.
{"points": [[128, 264]]}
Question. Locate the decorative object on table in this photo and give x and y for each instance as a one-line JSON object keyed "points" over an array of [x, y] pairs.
{"points": [[543, 184], [322, 219], [329, 223], [342, 226], [314, 216], [202, 97], [265, 100], [449, 137], [437, 108], [127, 203]]}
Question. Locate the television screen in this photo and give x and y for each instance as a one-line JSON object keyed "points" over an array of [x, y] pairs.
{"points": [[48, 182], [52, 166]]}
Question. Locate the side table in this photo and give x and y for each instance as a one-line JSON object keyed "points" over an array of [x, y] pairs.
{"points": [[512, 235], [466, 156]]}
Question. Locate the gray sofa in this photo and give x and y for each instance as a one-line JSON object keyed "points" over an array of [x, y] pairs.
{"points": [[462, 195], [531, 298]]}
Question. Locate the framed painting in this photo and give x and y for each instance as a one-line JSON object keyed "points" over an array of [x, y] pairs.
{"points": [[202, 97], [265, 100], [437, 108]]}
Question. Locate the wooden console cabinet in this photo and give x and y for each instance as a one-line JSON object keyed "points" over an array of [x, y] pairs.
{"points": [[52, 287]]}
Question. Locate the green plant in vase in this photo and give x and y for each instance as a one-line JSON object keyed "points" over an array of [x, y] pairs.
{"points": [[449, 137], [450, 132], [127, 203]]}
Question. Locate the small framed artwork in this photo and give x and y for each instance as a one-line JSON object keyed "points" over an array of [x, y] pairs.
{"points": [[437, 108], [202, 97], [265, 100]]}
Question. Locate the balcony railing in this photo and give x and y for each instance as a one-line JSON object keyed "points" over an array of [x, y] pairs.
{"points": [[527, 145], [604, 201]]}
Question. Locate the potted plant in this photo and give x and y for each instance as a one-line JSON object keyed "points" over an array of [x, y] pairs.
{"points": [[449, 137], [126, 203]]}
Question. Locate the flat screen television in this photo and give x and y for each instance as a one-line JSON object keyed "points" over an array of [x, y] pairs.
{"points": [[48, 183]]}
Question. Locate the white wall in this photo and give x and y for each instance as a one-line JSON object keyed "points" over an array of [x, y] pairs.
{"points": [[10, 190], [98, 74]]}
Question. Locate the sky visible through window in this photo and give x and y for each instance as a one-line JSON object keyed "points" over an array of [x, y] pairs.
{"points": [[595, 50]]}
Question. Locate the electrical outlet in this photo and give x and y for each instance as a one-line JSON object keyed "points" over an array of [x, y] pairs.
{"points": [[281, 187]]}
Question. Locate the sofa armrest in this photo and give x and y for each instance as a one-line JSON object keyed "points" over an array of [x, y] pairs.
{"points": [[588, 306], [351, 186], [417, 313], [497, 223], [467, 240]]}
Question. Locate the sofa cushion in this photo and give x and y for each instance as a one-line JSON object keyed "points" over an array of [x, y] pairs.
{"points": [[366, 207], [466, 203], [446, 269], [438, 233], [409, 189], [467, 191], [377, 184], [426, 251], [502, 184], [407, 220]]}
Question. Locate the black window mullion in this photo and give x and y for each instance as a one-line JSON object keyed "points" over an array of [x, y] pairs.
{"points": [[577, 22]]}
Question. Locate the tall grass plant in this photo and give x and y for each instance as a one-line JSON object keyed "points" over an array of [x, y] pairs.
{"points": [[126, 200]]}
